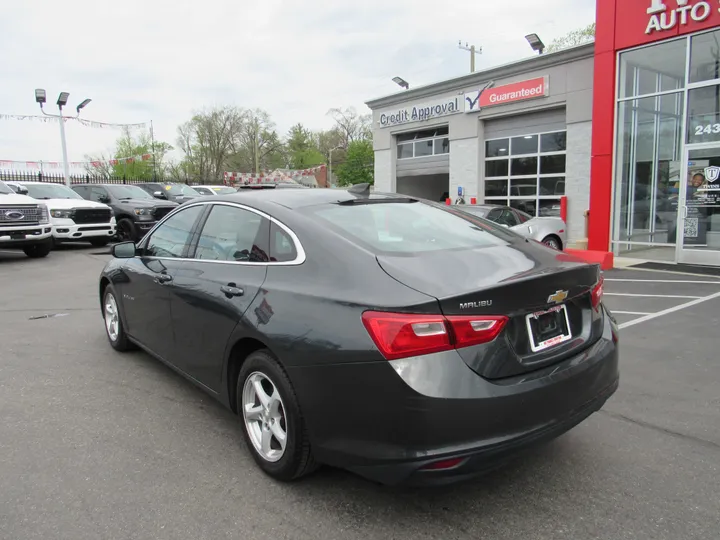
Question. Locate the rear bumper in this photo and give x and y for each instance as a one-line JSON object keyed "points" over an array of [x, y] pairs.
{"points": [[388, 420], [483, 458]]}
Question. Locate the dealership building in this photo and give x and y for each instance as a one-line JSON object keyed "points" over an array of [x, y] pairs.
{"points": [[621, 137]]}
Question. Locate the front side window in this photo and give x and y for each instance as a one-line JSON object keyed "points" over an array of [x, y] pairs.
{"points": [[233, 234], [98, 194], [172, 237], [179, 190], [4, 189]]}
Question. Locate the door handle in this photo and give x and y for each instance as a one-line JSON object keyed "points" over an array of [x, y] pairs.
{"points": [[231, 290], [685, 211], [163, 278]]}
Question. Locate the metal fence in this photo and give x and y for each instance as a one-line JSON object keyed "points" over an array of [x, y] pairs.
{"points": [[24, 176]]}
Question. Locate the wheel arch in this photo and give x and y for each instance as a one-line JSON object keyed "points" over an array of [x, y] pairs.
{"points": [[239, 352], [556, 238]]}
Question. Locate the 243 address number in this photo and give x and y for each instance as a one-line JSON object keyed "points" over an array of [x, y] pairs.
{"points": [[707, 129]]}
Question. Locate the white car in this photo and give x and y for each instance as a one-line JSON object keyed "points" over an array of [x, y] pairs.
{"points": [[73, 218], [24, 224], [214, 190], [550, 231]]}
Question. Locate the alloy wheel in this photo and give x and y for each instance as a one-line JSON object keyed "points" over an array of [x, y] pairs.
{"points": [[551, 242], [264, 416], [112, 320]]}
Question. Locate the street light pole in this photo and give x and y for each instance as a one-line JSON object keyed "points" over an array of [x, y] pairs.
{"points": [[63, 142], [41, 98]]}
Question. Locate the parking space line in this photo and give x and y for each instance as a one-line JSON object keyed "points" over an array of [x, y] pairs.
{"points": [[669, 310], [663, 281], [650, 295], [616, 312]]}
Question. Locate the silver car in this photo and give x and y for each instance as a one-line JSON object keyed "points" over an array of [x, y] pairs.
{"points": [[548, 230]]}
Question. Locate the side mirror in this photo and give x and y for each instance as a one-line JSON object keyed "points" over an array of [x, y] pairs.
{"points": [[124, 250], [22, 190], [159, 195], [505, 225], [104, 199]]}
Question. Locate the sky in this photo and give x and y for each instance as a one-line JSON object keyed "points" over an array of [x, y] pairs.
{"points": [[162, 60]]}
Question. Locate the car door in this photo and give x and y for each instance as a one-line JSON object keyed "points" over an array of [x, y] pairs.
{"points": [[146, 295], [213, 290]]}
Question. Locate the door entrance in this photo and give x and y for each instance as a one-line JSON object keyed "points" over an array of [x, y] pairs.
{"points": [[698, 239]]}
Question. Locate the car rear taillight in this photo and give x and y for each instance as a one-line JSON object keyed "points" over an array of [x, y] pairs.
{"points": [[597, 293], [475, 330], [399, 335]]}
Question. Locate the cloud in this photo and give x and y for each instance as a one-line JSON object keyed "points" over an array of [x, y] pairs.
{"points": [[161, 60]]}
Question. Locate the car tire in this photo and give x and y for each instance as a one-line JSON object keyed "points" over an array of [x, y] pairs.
{"points": [[279, 408], [552, 241], [126, 231], [114, 329], [99, 242], [38, 251]]}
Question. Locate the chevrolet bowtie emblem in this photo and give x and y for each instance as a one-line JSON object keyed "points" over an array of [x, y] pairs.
{"points": [[557, 297]]}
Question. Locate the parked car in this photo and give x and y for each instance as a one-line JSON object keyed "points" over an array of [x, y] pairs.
{"points": [[24, 223], [550, 231], [214, 190], [396, 338], [136, 212], [170, 191], [73, 219]]}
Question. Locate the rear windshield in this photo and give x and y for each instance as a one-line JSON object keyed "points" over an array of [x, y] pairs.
{"points": [[407, 228]]}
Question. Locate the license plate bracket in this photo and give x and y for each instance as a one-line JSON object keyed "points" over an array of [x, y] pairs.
{"points": [[548, 328]]}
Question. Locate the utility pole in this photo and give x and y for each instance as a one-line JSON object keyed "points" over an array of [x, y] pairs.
{"points": [[473, 51], [152, 138]]}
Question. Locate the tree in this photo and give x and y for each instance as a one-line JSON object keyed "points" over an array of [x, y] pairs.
{"points": [[302, 148], [128, 154], [257, 146], [576, 37], [351, 126], [358, 166]]}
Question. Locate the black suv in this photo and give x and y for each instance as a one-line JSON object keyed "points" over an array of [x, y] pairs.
{"points": [[170, 191], [135, 211]]}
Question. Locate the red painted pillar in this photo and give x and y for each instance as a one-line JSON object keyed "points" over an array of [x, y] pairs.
{"points": [[563, 208], [603, 128]]}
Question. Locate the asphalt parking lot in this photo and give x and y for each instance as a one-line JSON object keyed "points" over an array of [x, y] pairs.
{"points": [[96, 444]]}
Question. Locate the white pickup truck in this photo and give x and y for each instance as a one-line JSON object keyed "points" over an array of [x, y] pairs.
{"points": [[73, 219], [24, 224]]}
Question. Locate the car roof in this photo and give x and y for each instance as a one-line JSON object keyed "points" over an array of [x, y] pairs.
{"points": [[300, 198]]}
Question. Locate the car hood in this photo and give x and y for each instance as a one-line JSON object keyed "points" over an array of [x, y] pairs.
{"points": [[63, 204], [16, 199]]}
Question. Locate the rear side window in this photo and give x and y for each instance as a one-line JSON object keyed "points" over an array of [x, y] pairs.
{"points": [[282, 247], [406, 228]]}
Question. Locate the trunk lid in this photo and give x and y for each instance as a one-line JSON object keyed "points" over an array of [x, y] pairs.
{"points": [[516, 280]]}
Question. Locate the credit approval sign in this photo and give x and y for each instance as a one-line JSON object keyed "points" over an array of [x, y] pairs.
{"points": [[507, 93]]}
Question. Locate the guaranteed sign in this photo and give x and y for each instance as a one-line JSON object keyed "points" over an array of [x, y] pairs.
{"points": [[508, 93], [421, 111]]}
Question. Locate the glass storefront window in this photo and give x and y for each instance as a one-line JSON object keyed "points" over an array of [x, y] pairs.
{"points": [[423, 143], [497, 148], [527, 144], [648, 165], [704, 114], [652, 69], [526, 172], [705, 57]]}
